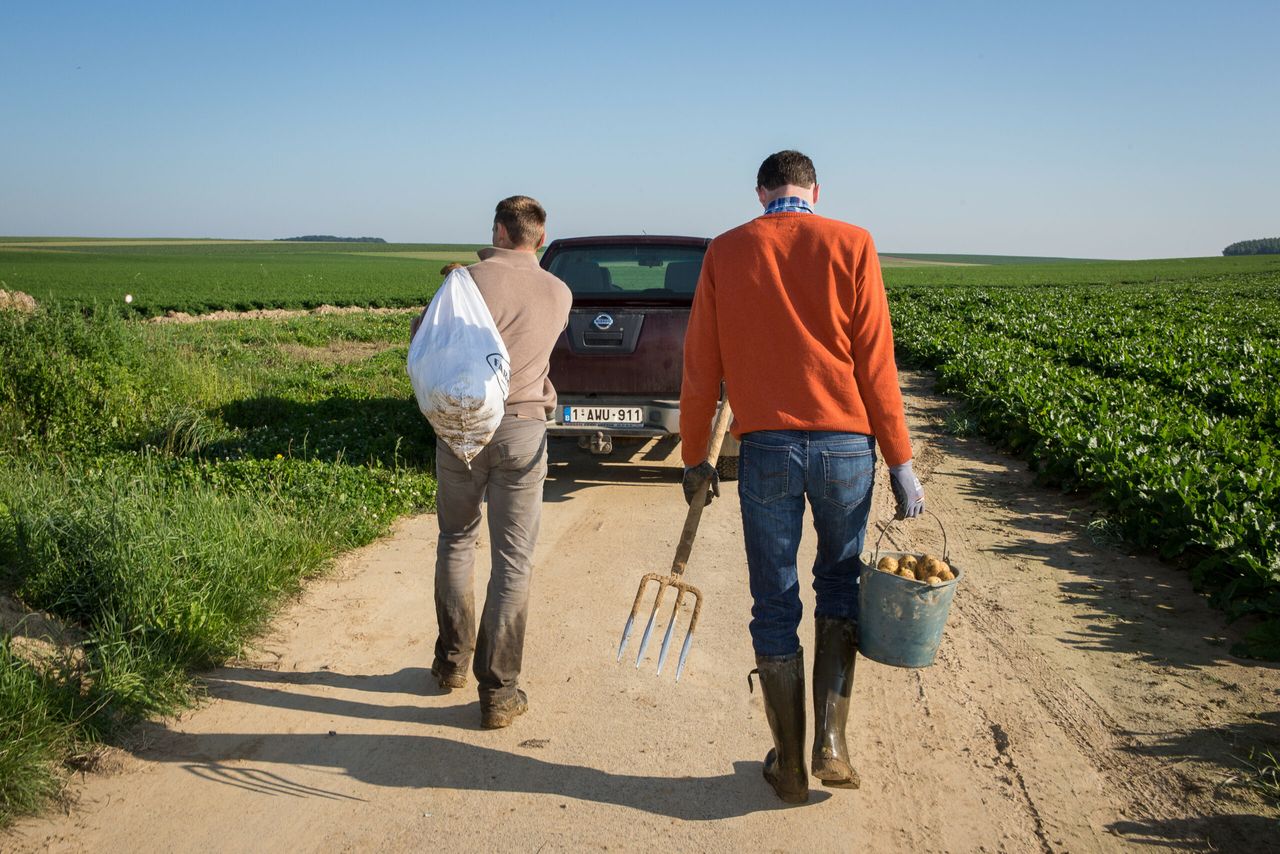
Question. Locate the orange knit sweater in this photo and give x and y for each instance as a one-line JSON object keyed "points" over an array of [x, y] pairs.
{"points": [[791, 313]]}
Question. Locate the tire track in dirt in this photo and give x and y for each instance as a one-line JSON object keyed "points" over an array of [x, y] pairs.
{"points": [[967, 487]]}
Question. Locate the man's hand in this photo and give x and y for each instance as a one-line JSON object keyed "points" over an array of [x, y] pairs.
{"points": [[694, 476], [907, 491]]}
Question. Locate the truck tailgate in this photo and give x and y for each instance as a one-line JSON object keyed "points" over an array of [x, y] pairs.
{"points": [[621, 350]]}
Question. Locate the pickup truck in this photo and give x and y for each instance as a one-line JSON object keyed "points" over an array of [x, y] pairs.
{"points": [[618, 365]]}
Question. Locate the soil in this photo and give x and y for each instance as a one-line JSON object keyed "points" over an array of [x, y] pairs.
{"points": [[273, 313], [335, 352], [1083, 699], [38, 636], [17, 301]]}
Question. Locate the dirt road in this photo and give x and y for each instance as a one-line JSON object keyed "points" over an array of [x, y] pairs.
{"points": [[1083, 701]]}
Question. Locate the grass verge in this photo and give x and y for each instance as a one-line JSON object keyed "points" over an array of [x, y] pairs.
{"points": [[162, 490]]}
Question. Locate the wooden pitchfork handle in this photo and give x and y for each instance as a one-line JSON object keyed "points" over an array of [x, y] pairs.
{"points": [[690, 530]]}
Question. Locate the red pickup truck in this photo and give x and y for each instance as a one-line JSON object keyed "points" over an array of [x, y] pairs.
{"points": [[617, 367]]}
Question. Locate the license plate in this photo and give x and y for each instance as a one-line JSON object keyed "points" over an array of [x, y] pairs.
{"points": [[630, 416]]}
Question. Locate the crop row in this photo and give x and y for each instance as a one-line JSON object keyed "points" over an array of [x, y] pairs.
{"points": [[1132, 405], [1221, 363]]}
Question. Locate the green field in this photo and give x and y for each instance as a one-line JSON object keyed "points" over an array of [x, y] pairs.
{"points": [[164, 486], [981, 259], [199, 277], [1155, 392], [1207, 271]]}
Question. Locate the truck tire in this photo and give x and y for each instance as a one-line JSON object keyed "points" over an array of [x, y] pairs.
{"points": [[727, 468]]}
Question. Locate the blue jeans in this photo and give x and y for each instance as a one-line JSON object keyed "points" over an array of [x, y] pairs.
{"points": [[777, 469]]}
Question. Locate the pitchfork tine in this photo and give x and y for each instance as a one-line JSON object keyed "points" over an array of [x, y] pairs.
{"points": [[626, 634], [684, 653], [648, 629], [666, 640], [631, 620], [675, 578]]}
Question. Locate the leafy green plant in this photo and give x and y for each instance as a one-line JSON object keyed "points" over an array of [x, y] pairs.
{"points": [[1158, 399]]}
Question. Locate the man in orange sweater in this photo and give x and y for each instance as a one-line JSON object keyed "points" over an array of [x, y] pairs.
{"points": [[790, 313]]}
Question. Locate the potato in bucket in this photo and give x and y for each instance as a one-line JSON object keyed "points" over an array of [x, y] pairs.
{"points": [[903, 614]]}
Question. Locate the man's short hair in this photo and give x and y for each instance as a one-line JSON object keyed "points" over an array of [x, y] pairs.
{"points": [[786, 167], [522, 217]]}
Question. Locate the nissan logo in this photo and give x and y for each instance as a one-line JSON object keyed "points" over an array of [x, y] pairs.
{"points": [[603, 321]]}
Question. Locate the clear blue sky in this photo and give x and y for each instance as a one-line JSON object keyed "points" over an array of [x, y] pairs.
{"points": [[1117, 129]]}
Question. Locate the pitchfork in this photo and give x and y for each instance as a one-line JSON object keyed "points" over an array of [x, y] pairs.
{"points": [[676, 577]]}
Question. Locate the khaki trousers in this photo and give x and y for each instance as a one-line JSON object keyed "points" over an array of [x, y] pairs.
{"points": [[510, 473]]}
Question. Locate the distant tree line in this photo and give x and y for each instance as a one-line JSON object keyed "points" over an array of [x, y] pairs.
{"points": [[1265, 246], [329, 238]]}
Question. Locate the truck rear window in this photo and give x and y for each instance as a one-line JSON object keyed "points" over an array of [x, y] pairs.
{"points": [[629, 271]]}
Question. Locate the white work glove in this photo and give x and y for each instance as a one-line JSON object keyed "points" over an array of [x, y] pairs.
{"points": [[907, 491]]}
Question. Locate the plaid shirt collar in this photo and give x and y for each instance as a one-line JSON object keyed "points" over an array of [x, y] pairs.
{"points": [[788, 204]]}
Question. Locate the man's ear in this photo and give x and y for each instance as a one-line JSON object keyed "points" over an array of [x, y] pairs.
{"points": [[815, 194], [500, 236], [542, 240], [761, 193]]}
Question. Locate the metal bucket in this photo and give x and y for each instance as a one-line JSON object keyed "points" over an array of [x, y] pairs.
{"points": [[901, 621]]}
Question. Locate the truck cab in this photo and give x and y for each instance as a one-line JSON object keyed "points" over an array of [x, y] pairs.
{"points": [[618, 365]]}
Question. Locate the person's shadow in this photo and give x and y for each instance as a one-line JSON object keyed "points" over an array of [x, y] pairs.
{"points": [[426, 761]]}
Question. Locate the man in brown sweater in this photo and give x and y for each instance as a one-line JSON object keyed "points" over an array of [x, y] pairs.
{"points": [[530, 308]]}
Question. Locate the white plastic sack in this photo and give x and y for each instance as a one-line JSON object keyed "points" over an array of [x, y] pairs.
{"points": [[459, 367]]}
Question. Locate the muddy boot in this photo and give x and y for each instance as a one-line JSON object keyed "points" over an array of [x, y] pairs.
{"points": [[447, 678], [836, 645], [782, 683], [501, 714]]}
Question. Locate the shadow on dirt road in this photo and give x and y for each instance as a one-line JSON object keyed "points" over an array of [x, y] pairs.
{"points": [[421, 761]]}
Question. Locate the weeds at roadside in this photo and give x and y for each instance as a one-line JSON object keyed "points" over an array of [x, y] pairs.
{"points": [[959, 422], [1103, 531], [1261, 774], [161, 490], [33, 741]]}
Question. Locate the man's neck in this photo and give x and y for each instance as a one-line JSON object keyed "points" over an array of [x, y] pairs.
{"points": [[790, 191]]}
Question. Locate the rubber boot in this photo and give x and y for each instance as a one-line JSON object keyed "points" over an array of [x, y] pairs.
{"points": [[782, 684], [835, 648]]}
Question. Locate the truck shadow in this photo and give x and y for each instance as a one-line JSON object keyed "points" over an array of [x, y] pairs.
{"points": [[571, 470]]}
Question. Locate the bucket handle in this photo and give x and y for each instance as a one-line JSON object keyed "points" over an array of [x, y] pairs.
{"points": [[946, 549]]}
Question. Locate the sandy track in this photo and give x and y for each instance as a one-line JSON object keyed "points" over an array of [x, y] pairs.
{"points": [[1083, 701]]}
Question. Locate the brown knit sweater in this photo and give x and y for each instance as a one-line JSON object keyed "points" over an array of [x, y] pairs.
{"points": [[530, 308]]}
